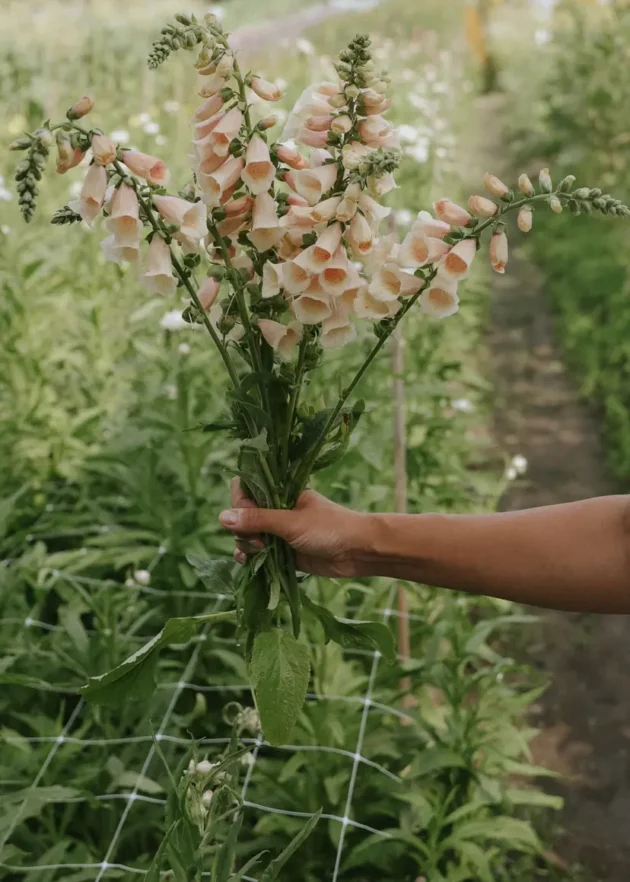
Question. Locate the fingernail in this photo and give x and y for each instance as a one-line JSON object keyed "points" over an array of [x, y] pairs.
{"points": [[240, 558], [257, 543], [228, 518]]}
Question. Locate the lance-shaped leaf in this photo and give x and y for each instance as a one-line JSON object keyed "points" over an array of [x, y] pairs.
{"points": [[354, 635], [279, 670], [135, 677]]}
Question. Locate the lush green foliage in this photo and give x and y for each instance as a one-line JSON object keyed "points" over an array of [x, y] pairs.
{"points": [[583, 129], [108, 494]]}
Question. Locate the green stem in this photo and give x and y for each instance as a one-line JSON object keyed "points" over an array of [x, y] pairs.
{"points": [[303, 473], [183, 276], [293, 402]]}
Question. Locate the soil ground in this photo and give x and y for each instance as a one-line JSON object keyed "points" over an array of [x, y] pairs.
{"points": [[585, 714]]}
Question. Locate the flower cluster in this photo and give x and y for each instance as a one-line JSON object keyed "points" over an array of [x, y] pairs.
{"points": [[279, 248]]}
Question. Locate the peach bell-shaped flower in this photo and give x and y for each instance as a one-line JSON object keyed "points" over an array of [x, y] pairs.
{"points": [[459, 259], [525, 219], [190, 217], [225, 131], [208, 108], [104, 149], [215, 184], [495, 186], [143, 165], [440, 300], [390, 282], [368, 307], [124, 217], [426, 223], [272, 279], [360, 236], [68, 157], [338, 329], [339, 274], [259, 172], [208, 292], [92, 194], [158, 276], [266, 230], [283, 338], [313, 183], [119, 253], [313, 306]]}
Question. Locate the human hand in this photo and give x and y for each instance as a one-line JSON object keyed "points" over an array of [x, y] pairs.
{"points": [[327, 537]]}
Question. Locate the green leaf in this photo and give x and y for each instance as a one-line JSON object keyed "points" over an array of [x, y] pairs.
{"points": [[352, 634], [153, 873], [273, 870], [259, 443], [279, 670], [245, 869], [218, 426], [433, 759], [134, 678], [520, 834], [215, 573], [527, 796], [224, 859]]}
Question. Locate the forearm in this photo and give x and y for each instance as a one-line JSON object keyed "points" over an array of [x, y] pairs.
{"points": [[571, 557]]}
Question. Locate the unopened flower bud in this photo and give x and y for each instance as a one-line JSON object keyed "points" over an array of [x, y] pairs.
{"points": [[352, 91], [482, 206], [544, 179], [142, 577], [20, 144], [225, 65], [206, 798], [268, 122], [82, 107], [499, 252], [525, 219], [104, 149], [555, 205], [525, 186], [338, 101], [582, 193], [566, 184], [44, 136], [495, 186], [208, 292], [341, 124], [266, 90]]}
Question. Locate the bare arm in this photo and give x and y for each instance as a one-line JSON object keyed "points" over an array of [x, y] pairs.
{"points": [[570, 557]]}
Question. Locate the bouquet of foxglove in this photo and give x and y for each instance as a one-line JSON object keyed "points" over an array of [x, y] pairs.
{"points": [[277, 245]]}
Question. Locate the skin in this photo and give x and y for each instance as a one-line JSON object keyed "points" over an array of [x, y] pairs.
{"points": [[573, 557]]}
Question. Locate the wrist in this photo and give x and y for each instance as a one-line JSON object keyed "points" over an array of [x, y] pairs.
{"points": [[370, 544]]}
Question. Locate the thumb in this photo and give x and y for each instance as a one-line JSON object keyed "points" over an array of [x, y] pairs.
{"points": [[250, 521]]}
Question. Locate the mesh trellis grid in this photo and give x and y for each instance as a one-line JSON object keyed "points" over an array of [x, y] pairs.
{"points": [[365, 702]]}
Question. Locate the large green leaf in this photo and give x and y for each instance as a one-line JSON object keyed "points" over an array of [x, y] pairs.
{"points": [[352, 634], [215, 573], [135, 677], [279, 670]]}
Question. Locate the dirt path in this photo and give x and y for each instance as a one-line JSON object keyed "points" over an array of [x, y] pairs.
{"points": [[585, 714]]}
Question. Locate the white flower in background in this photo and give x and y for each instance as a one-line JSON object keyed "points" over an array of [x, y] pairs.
{"points": [[142, 577], [5, 229], [160, 140], [519, 463], [511, 474], [171, 106], [5, 195], [408, 133], [183, 349], [403, 217], [419, 152], [171, 392], [542, 36], [74, 190], [463, 405], [151, 128], [173, 321], [144, 118], [304, 46], [120, 136]]}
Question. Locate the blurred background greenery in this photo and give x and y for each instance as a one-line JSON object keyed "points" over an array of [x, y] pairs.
{"points": [[105, 485]]}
